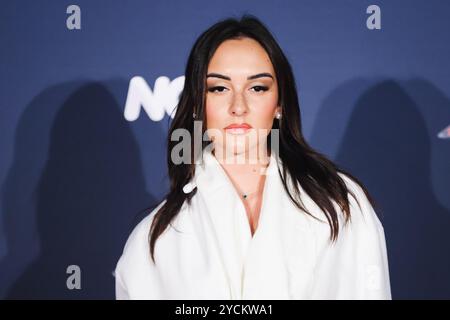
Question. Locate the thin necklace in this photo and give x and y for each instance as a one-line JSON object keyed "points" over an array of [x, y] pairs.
{"points": [[246, 195]]}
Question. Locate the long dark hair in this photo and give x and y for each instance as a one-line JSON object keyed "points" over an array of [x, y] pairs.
{"points": [[316, 174]]}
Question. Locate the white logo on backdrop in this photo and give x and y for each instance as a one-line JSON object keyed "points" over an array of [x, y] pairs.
{"points": [[157, 102], [444, 134]]}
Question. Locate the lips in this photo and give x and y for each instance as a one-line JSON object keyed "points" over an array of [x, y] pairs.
{"points": [[238, 128]]}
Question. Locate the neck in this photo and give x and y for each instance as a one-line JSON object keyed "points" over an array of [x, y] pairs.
{"points": [[247, 176]]}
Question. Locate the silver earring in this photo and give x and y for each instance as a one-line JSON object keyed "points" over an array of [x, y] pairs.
{"points": [[193, 115], [278, 116]]}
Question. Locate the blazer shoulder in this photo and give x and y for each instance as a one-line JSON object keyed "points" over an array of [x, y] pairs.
{"points": [[362, 211], [134, 267], [139, 235]]}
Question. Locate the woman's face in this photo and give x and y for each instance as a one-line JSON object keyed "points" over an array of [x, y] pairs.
{"points": [[241, 88]]}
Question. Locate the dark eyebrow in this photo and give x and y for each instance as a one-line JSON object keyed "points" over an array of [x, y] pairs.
{"points": [[255, 76]]}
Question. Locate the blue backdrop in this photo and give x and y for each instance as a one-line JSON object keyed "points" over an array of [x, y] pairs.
{"points": [[78, 162]]}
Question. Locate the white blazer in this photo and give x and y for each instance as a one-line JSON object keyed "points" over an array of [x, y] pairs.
{"points": [[209, 253]]}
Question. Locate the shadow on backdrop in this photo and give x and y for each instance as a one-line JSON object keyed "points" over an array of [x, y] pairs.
{"points": [[387, 145], [73, 193]]}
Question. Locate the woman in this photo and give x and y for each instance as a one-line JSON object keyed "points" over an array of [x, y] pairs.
{"points": [[238, 224]]}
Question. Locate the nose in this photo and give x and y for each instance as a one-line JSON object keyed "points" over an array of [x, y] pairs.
{"points": [[238, 105]]}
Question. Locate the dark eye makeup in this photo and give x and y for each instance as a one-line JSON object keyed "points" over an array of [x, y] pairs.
{"points": [[259, 88]]}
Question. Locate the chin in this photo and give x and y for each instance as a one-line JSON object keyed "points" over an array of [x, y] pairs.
{"points": [[236, 149]]}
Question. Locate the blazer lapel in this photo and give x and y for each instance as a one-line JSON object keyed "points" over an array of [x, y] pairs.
{"points": [[245, 259], [225, 213], [265, 257]]}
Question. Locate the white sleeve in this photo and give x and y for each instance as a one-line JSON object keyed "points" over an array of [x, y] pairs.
{"points": [[121, 290], [136, 276], [356, 266]]}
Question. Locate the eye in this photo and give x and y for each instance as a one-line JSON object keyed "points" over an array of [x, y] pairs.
{"points": [[260, 88], [213, 89]]}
